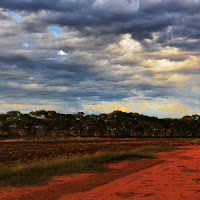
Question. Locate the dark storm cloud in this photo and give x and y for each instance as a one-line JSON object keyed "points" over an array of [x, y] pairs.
{"points": [[161, 6], [82, 15], [99, 22], [151, 16], [13, 59], [37, 5]]}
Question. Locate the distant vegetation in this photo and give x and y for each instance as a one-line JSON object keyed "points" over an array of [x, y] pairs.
{"points": [[116, 124]]}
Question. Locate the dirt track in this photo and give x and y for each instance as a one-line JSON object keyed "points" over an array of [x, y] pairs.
{"points": [[177, 177], [174, 175]]}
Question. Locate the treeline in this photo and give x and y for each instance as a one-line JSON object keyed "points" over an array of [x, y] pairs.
{"points": [[115, 124]]}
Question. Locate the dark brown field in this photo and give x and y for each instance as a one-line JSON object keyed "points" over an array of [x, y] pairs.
{"points": [[14, 152]]}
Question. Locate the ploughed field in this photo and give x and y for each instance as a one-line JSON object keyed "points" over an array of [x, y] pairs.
{"points": [[27, 151]]}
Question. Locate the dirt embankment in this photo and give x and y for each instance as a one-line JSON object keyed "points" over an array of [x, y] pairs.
{"points": [[173, 175]]}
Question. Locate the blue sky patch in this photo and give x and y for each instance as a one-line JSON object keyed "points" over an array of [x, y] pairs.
{"points": [[55, 30], [18, 18], [12, 13]]}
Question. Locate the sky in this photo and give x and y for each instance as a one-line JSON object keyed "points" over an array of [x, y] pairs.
{"points": [[97, 56]]}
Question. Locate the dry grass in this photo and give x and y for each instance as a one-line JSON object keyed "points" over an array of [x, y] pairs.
{"points": [[26, 174]]}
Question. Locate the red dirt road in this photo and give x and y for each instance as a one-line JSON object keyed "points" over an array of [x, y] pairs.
{"points": [[177, 177], [173, 175]]}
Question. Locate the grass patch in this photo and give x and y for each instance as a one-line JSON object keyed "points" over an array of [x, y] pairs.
{"points": [[177, 144], [83, 138], [27, 174], [195, 141], [48, 139]]}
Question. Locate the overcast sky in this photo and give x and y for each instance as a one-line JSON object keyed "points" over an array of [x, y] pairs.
{"points": [[100, 55]]}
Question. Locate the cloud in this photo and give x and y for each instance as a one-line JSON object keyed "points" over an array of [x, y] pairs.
{"points": [[42, 87], [176, 108], [24, 108], [74, 53], [120, 7], [30, 106], [61, 53], [108, 107], [16, 16], [165, 107]]}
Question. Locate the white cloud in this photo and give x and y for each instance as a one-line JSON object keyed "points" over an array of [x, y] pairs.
{"points": [[61, 53], [25, 45]]}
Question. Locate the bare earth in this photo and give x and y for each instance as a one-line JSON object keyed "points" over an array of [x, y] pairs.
{"points": [[25, 152], [173, 175]]}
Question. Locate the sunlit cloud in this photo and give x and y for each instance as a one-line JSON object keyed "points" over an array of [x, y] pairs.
{"points": [[30, 106], [175, 108], [165, 107], [108, 107], [165, 65], [125, 46], [24, 108]]}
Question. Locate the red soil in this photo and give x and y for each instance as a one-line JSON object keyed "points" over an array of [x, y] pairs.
{"points": [[173, 175]]}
